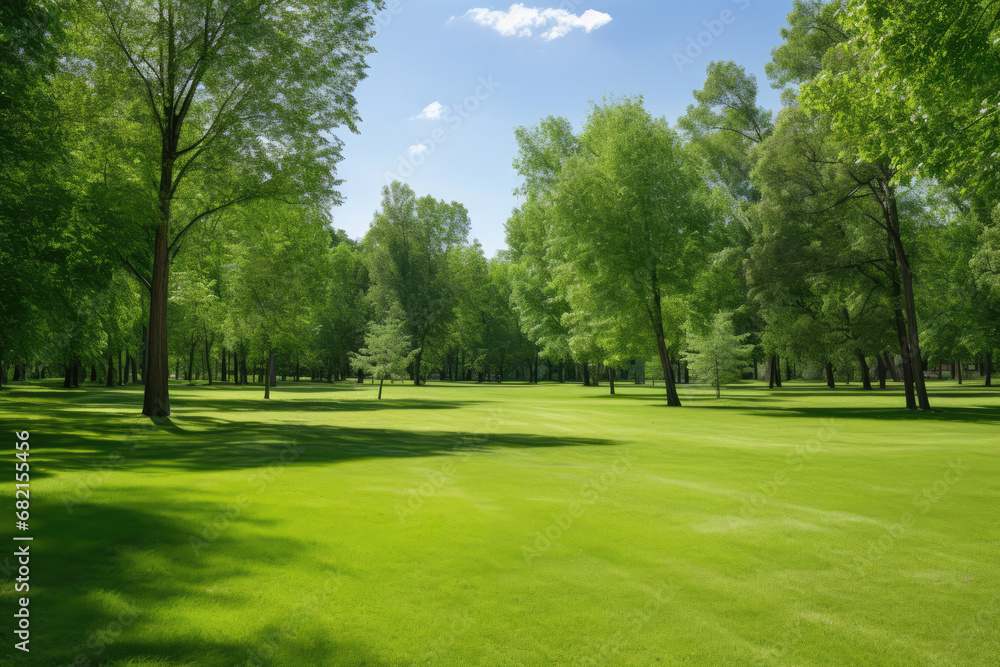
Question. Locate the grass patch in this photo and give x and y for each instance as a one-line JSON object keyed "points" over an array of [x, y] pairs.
{"points": [[510, 525]]}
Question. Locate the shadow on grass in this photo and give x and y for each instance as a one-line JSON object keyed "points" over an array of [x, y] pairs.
{"points": [[971, 414], [80, 434], [108, 576]]}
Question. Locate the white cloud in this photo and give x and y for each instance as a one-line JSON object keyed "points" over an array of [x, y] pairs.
{"points": [[417, 149], [522, 21], [433, 111]]}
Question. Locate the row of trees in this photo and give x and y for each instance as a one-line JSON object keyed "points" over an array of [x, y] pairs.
{"points": [[834, 233], [153, 177]]}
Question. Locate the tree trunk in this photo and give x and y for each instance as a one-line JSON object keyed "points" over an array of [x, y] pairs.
{"points": [[208, 360], [866, 378], [190, 371], [361, 376], [156, 399], [915, 359], [904, 352], [777, 371], [881, 370], [223, 370], [380, 389], [416, 367], [145, 352], [989, 369], [93, 373], [135, 369], [770, 372], [611, 380], [111, 370], [586, 373], [272, 374], [269, 376], [829, 376], [68, 377], [958, 371]]}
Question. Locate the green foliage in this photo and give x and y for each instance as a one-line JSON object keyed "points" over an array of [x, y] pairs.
{"points": [[387, 351], [718, 355], [408, 247]]}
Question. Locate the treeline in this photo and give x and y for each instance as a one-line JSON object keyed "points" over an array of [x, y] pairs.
{"points": [[851, 236]]}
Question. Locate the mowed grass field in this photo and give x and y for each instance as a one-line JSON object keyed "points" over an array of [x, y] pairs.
{"points": [[509, 525]]}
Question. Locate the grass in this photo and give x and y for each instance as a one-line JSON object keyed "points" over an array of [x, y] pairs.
{"points": [[510, 525]]}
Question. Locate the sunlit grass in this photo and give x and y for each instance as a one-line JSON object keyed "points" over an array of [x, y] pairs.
{"points": [[510, 525]]}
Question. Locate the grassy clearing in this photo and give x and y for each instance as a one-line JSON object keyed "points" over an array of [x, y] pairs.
{"points": [[511, 525]]}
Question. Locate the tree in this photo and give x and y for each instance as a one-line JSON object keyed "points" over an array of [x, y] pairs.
{"points": [[408, 247], [279, 253], [719, 355], [387, 351], [241, 99], [928, 72], [631, 218], [343, 315], [818, 58]]}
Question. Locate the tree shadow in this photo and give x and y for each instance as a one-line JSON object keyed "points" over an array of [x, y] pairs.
{"points": [[81, 435], [108, 574], [974, 414]]}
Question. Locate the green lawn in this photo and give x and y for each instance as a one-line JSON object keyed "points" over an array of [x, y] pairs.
{"points": [[510, 525]]}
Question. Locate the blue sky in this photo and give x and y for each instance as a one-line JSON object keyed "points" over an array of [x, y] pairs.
{"points": [[489, 76]]}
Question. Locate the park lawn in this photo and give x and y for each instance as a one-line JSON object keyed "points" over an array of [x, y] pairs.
{"points": [[510, 525]]}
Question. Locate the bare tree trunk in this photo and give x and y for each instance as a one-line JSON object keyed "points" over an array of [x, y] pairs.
{"points": [[111, 370], [156, 400], [881, 370], [958, 369], [269, 376], [777, 371], [866, 378], [611, 379], [380, 389], [208, 359], [829, 376], [890, 363], [914, 358]]}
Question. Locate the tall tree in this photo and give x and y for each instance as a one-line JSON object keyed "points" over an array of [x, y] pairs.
{"points": [[241, 97], [632, 214], [408, 247]]}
